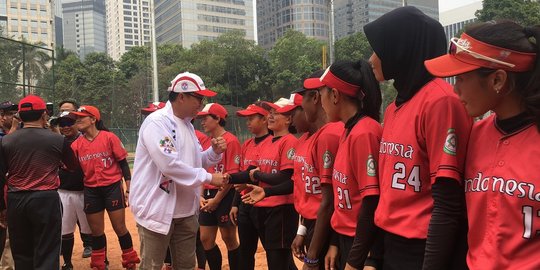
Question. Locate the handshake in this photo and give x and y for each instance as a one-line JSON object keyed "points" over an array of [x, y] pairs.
{"points": [[220, 179]]}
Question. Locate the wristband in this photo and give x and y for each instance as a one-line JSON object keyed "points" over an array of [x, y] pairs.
{"points": [[311, 261], [302, 230]]}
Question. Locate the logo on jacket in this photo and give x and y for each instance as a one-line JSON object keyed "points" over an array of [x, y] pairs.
{"points": [[290, 153], [167, 145], [371, 166], [237, 159]]}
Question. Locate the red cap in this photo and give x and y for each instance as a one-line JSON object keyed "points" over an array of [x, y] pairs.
{"points": [[214, 109], [313, 83], [87, 110], [294, 101], [32, 103], [188, 82], [276, 105], [251, 110], [333, 81], [152, 107], [467, 54]]}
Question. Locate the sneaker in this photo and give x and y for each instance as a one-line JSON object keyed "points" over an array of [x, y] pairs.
{"points": [[167, 266], [67, 267], [87, 252]]}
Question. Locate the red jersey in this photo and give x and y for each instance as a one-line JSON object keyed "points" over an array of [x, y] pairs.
{"points": [[313, 166], [99, 158], [273, 158], [203, 139], [251, 151], [230, 163], [502, 186], [422, 139], [355, 174]]}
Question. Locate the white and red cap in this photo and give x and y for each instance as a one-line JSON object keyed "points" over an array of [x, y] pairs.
{"points": [[152, 107], [276, 105], [253, 109], [190, 83], [294, 102], [214, 109]]}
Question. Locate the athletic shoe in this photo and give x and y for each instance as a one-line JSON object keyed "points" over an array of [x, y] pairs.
{"points": [[87, 252], [67, 267]]}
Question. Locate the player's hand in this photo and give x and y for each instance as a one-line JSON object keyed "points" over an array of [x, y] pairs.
{"points": [[239, 187], [219, 145], [234, 215], [202, 202], [3, 218], [297, 247], [369, 268], [218, 179], [254, 196], [252, 174], [349, 267], [210, 206], [330, 258]]}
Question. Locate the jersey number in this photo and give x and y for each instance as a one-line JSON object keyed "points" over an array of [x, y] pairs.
{"points": [[344, 199], [313, 184], [528, 213], [400, 175], [107, 162], [219, 168]]}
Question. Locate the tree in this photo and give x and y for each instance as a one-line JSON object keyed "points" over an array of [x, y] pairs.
{"points": [[524, 12], [8, 78], [33, 63], [292, 59], [353, 48]]}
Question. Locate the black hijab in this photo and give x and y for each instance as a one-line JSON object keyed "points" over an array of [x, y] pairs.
{"points": [[403, 39]]}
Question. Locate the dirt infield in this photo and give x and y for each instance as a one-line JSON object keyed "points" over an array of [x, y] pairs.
{"points": [[114, 252]]}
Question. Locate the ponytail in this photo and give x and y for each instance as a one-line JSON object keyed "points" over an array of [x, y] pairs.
{"points": [[101, 126], [531, 93]]}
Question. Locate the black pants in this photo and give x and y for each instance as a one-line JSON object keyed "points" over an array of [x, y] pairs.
{"points": [[345, 244], [402, 253], [248, 235], [35, 224]]}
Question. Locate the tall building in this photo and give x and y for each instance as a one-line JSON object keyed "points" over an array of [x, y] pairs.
{"points": [[189, 21], [128, 25], [31, 20], [274, 18], [84, 26], [3, 16], [454, 20], [350, 16]]}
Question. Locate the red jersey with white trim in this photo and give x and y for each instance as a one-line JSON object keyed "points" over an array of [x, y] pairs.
{"points": [[502, 188], [276, 157], [313, 166], [230, 163], [99, 158], [424, 138], [251, 151], [355, 174]]}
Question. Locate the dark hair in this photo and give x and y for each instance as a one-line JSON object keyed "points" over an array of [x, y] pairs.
{"points": [[316, 74], [510, 35], [70, 101], [360, 73], [291, 129], [101, 126], [222, 122], [31, 116], [172, 96]]}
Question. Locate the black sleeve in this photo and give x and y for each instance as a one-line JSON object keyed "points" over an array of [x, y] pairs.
{"points": [[68, 157], [448, 209], [274, 178], [3, 171], [366, 232], [236, 199], [241, 177], [125, 169], [281, 189]]}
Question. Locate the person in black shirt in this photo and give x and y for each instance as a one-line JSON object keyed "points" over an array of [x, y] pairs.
{"points": [[32, 156]]}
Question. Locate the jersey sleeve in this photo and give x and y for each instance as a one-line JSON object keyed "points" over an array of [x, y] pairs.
{"points": [[286, 154], [119, 152], [232, 156], [446, 127], [364, 159], [243, 151], [324, 153]]}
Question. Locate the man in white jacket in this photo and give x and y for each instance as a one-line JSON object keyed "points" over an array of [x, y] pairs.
{"points": [[168, 174]]}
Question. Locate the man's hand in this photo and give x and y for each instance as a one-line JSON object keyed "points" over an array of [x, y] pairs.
{"points": [[297, 247], [202, 202], [252, 174], [254, 196], [331, 258], [234, 215], [210, 206], [219, 145], [219, 179]]}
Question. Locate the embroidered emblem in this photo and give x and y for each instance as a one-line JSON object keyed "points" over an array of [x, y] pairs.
{"points": [[237, 159], [371, 166], [167, 145], [165, 185], [290, 153], [184, 86], [450, 144], [328, 160]]}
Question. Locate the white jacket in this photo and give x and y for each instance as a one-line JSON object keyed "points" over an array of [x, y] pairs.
{"points": [[168, 171]]}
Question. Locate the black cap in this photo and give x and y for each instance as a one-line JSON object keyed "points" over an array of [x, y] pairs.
{"points": [[299, 90], [8, 105]]}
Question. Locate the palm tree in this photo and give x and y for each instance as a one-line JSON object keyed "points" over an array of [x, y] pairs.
{"points": [[33, 63]]}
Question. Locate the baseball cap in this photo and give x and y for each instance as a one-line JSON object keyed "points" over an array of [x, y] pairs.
{"points": [[215, 109], [152, 107], [32, 103], [251, 110], [467, 54], [188, 82], [8, 105], [293, 102], [87, 110], [276, 105], [66, 115]]}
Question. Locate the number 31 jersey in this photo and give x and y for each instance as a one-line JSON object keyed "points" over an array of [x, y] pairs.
{"points": [[423, 139]]}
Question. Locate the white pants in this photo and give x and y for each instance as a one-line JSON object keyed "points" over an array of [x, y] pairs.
{"points": [[73, 210]]}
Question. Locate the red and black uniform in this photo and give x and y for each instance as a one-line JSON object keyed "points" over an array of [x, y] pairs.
{"points": [[32, 157], [502, 189]]}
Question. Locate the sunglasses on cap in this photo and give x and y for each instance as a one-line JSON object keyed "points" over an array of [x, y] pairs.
{"points": [[459, 46], [66, 123]]}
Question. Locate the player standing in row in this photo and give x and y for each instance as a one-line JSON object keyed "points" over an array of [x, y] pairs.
{"points": [[215, 202], [422, 152], [242, 214], [103, 160], [497, 69]]}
